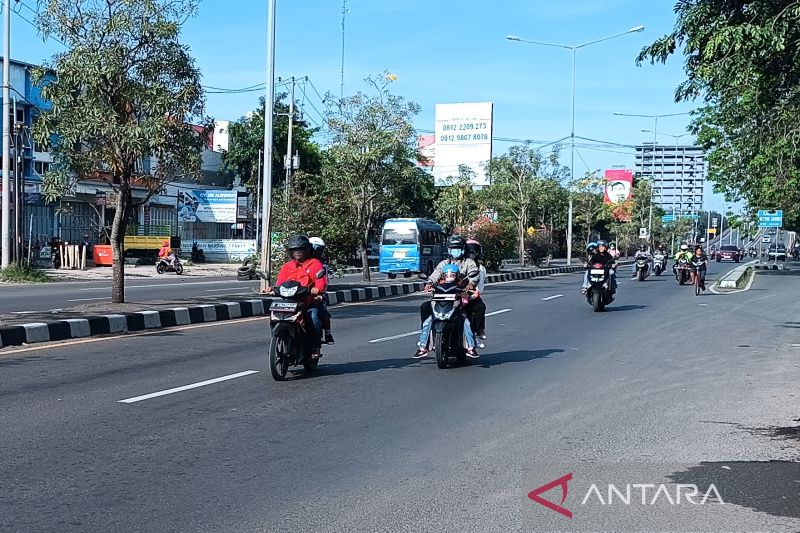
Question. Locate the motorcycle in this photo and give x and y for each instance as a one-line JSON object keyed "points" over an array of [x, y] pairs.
{"points": [[163, 265], [682, 270], [752, 253], [642, 268], [659, 261], [599, 294], [291, 332], [447, 329]]}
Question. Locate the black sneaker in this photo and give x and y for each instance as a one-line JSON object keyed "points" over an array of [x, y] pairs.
{"points": [[329, 338]]}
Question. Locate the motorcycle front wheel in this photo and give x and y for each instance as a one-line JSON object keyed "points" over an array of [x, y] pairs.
{"points": [[439, 342], [179, 269], [278, 358], [597, 301]]}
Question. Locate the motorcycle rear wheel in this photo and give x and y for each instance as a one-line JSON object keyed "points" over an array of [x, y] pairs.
{"points": [[278, 358], [441, 349], [160, 268]]}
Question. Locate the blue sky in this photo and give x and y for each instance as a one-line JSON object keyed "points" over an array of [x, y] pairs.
{"points": [[447, 51]]}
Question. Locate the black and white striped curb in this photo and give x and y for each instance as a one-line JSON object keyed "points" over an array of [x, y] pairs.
{"points": [[75, 328], [768, 267]]}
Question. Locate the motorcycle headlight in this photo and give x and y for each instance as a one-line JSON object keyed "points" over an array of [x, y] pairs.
{"points": [[443, 311]]}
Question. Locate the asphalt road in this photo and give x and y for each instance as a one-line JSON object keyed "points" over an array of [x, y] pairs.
{"points": [[29, 298], [376, 441]]}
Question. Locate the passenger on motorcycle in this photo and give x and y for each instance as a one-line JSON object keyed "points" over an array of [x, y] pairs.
{"points": [[613, 250], [167, 253], [642, 252], [683, 253], [318, 251], [309, 272], [601, 256], [456, 250], [476, 309], [450, 274], [699, 262]]}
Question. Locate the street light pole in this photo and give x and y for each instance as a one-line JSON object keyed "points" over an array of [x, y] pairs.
{"points": [[570, 210], [574, 49], [5, 218], [266, 213]]}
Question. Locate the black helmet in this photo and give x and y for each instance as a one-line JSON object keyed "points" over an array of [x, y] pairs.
{"points": [[643, 248], [474, 248], [298, 242], [457, 241]]}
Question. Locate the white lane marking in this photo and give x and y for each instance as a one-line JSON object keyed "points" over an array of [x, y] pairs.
{"points": [[552, 297], [87, 299], [393, 337], [26, 312], [703, 305], [187, 387], [156, 285], [410, 333]]}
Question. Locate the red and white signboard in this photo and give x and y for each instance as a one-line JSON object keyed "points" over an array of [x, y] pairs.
{"points": [[619, 185]]}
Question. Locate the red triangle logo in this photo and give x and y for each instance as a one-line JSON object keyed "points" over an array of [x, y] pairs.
{"points": [[535, 495]]}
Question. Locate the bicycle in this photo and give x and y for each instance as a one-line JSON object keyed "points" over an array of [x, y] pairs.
{"points": [[697, 281]]}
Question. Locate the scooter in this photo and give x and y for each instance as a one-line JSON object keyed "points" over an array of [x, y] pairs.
{"points": [[642, 268], [291, 333], [659, 262], [447, 329], [599, 293], [682, 270], [163, 265]]}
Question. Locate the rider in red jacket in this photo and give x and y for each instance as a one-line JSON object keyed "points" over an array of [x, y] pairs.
{"points": [[309, 272]]}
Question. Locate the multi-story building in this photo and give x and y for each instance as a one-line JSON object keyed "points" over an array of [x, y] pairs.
{"points": [[88, 208], [678, 174]]}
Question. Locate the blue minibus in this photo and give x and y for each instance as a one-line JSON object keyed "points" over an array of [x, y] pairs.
{"points": [[411, 246]]}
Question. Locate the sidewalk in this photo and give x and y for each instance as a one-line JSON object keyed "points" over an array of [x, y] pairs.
{"points": [[144, 271]]}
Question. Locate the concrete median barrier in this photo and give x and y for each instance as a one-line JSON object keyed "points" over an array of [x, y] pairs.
{"points": [[72, 328]]}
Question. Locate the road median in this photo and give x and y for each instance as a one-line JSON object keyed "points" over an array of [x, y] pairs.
{"points": [[79, 325]]}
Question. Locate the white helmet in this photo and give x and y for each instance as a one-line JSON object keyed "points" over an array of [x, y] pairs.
{"points": [[684, 247], [317, 248]]}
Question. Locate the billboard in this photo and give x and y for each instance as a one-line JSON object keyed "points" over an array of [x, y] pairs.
{"points": [[463, 136], [207, 206], [427, 150], [619, 185]]}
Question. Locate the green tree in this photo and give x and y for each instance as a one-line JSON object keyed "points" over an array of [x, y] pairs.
{"points": [[457, 204], [518, 177], [372, 143], [589, 207], [247, 141], [741, 63], [126, 88]]}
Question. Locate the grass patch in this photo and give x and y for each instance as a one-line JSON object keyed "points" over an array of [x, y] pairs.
{"points": [[744, 280], [15, 273]]}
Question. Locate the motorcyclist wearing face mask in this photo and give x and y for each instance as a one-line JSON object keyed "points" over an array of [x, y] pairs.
{"points": [[456, 251]]}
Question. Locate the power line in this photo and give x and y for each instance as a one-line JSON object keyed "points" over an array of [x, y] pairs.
{"points": [[33, 24], [321, 98], [303, 90]]}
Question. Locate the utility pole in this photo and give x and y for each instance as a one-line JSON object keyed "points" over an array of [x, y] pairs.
{"points": [[258, 194], [269, 104], [341, 75], [287, 161], [5, 238]]}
